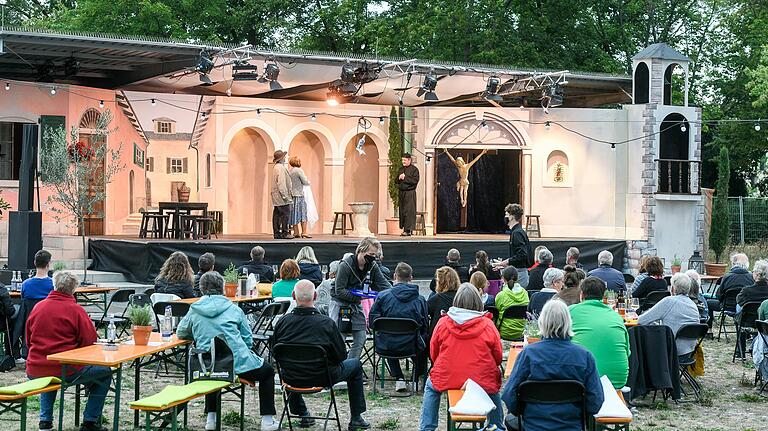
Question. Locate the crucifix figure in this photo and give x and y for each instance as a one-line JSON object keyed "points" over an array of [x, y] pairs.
{"points": [[462, 186]]}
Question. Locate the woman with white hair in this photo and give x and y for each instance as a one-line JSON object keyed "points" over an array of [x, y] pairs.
{"points": [[555, 357], [675, 311], [553, 283], [697, 297]]}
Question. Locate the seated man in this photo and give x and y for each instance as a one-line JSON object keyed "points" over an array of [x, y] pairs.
{"points": [[256, 266], [675, 311], [536, 275], [305, 325], [572, 258], [612, 277], [757, 292], [33, 290], [402, 301], [58, 324], [205, 263], [736, 278], [599, 329], [453, 260]]}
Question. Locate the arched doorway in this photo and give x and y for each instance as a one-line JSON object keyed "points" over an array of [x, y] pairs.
{"points": [[361, 177], [87, 133], [308, 147], [674, 168], [641, 83], [248, 204], [674, 85], [131, 200]]}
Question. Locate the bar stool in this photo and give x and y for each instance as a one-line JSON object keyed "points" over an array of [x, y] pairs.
{"points": [[218, 222], [340, 222], [152, 223], [187, 225], [203, 227], [536, 229], [421, 224]]}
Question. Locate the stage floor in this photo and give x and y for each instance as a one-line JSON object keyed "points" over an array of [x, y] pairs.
{"points": [[140, 259]]}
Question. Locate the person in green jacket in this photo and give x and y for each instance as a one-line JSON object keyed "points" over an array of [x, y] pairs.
{"points": [[511, 294], [762, 312], [600, 329]]}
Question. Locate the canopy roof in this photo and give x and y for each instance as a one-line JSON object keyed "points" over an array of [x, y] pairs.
{"points": [[167, 66]]}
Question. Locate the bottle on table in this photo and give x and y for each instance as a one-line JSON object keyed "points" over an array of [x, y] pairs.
{"points": [[620, 298], [111, 329], [15, 281], [242, 282], [166, 326]]}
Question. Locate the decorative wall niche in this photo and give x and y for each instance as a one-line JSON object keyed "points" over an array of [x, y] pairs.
{"points": [[557, 172]]}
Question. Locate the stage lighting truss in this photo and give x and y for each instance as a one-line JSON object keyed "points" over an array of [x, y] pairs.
{"points": [[351, 79], [546, 87], [428, 86], [242, 70]]}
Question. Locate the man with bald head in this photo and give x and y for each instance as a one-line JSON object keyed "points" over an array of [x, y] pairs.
{"points": [[306, 325]]}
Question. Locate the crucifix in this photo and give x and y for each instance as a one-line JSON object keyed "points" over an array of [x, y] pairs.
{"points": [[462, 186]]}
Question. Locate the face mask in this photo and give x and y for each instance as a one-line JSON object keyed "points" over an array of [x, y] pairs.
{"points": [[369, 259], [506, 221]]}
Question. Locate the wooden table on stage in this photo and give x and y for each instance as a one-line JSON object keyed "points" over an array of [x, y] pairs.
{"points": [[176, 208], [95, 355], [514, 351]]}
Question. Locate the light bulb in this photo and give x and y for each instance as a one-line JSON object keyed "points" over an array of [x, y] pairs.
{"points": [[7, 86], [547, 125], [613, 147], [683, 128], [101, 104], [258, 112], [53, 91], [381, 121], [313, 117], [229, 92], [757, 126], [484, 124], [152, 102]]}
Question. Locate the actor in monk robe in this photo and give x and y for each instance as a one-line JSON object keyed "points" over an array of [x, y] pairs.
{"points": [[407, 180]]}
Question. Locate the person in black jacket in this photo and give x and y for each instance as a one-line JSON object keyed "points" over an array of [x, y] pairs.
{"points": [[306, 325], [757, 292], [737, 278], [453, 260], [176, 276], [402, 301], [536, 275], [256, 266], [7, 316], [205, 263], [520, 254], [309, 269]]}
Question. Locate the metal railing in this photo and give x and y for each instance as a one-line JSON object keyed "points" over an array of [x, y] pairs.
{"points": [[678, 176]]}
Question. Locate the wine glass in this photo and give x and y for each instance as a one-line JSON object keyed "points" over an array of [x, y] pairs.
{"points": [[635, 304], [324, 270]]}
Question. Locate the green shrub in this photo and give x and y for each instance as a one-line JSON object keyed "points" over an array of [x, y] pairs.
{"points": [[140, 316], [230, 274]]}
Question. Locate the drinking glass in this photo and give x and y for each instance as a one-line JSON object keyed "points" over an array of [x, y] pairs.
{"points": [[635, 304], [324, 270], [275, 270]]}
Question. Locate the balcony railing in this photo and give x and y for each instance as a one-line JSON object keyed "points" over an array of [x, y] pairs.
{"points": [[679, 176]]}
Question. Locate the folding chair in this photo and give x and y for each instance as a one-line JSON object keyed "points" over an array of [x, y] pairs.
{"points": [[549, 392], [263, 327], [696, 331], [140, 300], [178, 311], [312, 360], [493, 310], [519, 312], [121, 296], [652, 299], [392, 326], [728, 310], [762, 331], [745, 325]]}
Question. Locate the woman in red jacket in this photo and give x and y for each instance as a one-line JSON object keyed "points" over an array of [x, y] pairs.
{"points": [[465, 345]]}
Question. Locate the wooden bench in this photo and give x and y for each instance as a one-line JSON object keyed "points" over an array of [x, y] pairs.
{"points": [[169, 411], [340, 222], [456, 422], [17, 403]]}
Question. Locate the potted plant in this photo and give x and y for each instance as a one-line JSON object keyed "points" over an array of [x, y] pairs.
{"points": [[721, 224], [230, 280], [395, 156], [141, 319], [676, 265]]}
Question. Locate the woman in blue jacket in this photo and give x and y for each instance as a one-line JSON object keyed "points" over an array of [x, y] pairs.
{"points": [[554, 358], [215, 315]]}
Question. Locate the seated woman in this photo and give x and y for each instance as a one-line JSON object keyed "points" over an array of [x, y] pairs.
{"points": [[176, 276], [697, 297], [483, 265], [465, 345], [555, 357], [289, 276], [447, 283], [675, 311], [553, 282], [653, 282], [479, 280], [215, 315], [309, 269], [571, 291], [511, 294]]}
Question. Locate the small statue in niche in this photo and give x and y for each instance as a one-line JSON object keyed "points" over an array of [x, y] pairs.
{"points": [[559, 176]]}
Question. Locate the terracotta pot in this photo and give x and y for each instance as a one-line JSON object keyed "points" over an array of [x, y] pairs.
{"points": [[184, 195], [393, 226], [230, 289], [676, 269], [715, 269], [141, 335]]}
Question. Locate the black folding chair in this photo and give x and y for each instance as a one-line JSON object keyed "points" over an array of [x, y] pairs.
{"points": [[762, 331], [493, 310], [652, 299], [140, 300], [629, 278], [549, 392], [172, 356], [728, 309], [694, 331], [121, 296], [519, 312], [392, 326], [310, 362], [745, 326], [149, 291], [263, 326]]}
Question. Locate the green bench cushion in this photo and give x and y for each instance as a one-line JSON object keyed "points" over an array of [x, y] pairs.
{"points": [[172, 394], [29, 386]]}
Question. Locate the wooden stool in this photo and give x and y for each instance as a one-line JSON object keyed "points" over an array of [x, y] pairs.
{"points": [[341, 225], [187, 225], [218, 222], [203, 227], [157, 221], [421, 224], [536, 226]]}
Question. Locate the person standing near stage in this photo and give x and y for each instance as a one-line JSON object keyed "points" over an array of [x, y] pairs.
{"points": [[407, 180], [520, 255], [298, 218], [281, 197]]}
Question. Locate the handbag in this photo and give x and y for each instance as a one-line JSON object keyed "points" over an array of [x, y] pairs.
{"points": [[216, 363]]}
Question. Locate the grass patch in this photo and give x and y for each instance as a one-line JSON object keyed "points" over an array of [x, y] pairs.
{"points": [[231, 418], [389, 424], [749, 398]]}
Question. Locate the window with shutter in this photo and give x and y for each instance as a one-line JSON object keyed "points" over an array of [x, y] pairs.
{"points": [[185, 164], [177, 165], [150, 164], [168, 165]]}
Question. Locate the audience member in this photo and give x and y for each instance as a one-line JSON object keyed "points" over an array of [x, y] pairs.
{"points": [[215, 315], [536, 260], [309, 269], [384, 270], [736, 278], [324, 290], [553, 283], [7, 318], [205, 263], [642, 272], [306, 325], [256, 266], [483, 265], [757, 292], [572, 258], [696, 296], [447, 285], [600, 329], [453, 260], [356, 272], [654, 282], [511, 294], [58, 324], [465, 345], [33, 290], [289, 276], [402, 301], [555, 357], [520, 255], [571, 292], [762, 311], [536, 275], [675, 311], [613, 278], [480, 282], [176, 276]]}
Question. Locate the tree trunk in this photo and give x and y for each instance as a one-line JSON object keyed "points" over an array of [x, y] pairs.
{"points": [[85, 258]]}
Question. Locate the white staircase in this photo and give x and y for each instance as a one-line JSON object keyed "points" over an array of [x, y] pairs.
{"points": [[131, 225]]}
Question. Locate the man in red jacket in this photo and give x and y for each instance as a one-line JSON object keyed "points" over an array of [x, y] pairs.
{"points": [[58, 324]]}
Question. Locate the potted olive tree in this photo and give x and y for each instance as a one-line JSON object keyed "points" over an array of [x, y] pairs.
{"points": [[395, 156], [230, 280], [141, 321], [721, 225]]}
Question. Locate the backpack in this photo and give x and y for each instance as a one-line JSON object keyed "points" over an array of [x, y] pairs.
{"points": [[216, 363]]}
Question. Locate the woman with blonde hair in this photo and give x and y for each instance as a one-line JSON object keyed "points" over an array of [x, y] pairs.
{"points": [[446, 284], [298, 217], [480, 281], [176, 276], [308, 266]]}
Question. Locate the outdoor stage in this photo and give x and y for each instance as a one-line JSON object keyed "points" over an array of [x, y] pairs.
{"points": [[141, 259]]}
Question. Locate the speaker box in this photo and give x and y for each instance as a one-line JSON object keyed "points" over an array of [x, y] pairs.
{"points": [[24, 238]]}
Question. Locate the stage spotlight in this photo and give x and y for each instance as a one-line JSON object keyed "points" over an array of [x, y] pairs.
{"points": [[492, 89], [348, 78], [101, 104], [757, 125], [7, 86], [554, 95], [331, 99], [152, 102], [427, 88], [204, 65], [271, 72], [336, 96], [71, 67]]}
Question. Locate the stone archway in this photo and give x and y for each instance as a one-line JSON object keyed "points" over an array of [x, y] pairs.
{"points": [[361, 177], [248, 201]]}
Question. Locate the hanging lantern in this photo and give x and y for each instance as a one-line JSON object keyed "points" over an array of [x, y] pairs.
{"points": [[696, 262]]}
